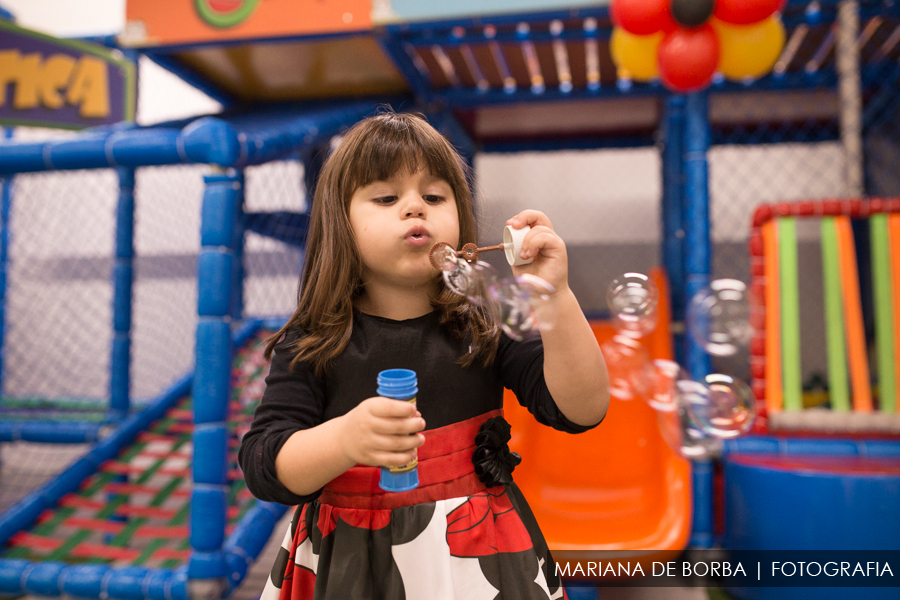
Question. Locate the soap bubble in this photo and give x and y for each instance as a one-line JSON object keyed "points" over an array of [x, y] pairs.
{"points": [[633, 298], [483, 277], [722, 406], [679, 432], [459, 280], [472, 280], [520, 305], [669, 375], [628, 364], [445, 257], [718, 317]]}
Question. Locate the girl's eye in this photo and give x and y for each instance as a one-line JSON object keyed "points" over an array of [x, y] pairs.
{"points": [[384, 199], [433, 199]]}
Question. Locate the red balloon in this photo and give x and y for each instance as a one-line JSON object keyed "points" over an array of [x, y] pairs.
{"points": [[688, 58], [744, 12], [642, 17]]}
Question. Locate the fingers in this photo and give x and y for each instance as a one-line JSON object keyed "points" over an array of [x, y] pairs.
{"points": [[398, 426], [539, 239], [397, 443], [384, 432], [388, 408], [388, 459], [395, 450], [532, 218]]}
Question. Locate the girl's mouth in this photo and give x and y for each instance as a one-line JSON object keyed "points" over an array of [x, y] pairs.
{"points": [[417, 239]]}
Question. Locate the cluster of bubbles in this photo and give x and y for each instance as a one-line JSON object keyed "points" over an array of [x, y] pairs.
{"points": [[718, 317], [693, 416], [518, 305]]}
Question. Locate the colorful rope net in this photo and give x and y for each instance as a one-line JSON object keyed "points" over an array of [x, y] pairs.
{"points": [[134, 511]]}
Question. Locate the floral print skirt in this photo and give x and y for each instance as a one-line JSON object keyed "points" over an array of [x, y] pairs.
{"points": [[459, 535]]}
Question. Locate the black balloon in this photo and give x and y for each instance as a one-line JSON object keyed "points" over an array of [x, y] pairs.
{"points": [[692, 13]]}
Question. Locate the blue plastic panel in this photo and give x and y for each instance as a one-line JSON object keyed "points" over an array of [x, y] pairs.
{"points": [[776, 509]]}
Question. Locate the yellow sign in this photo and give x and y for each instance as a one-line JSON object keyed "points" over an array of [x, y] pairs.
{"points": [[54, 81], [49, 82]]}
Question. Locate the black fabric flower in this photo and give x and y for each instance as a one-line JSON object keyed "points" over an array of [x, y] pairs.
{"points": [[493, 460]]}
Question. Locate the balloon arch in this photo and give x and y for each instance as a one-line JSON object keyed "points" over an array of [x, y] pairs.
{"points": [[685, 42]]}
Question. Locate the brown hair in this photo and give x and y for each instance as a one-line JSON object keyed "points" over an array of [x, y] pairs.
{"points": [[375, 149]]}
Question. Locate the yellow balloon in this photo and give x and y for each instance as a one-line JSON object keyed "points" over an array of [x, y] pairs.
{"points": [[749, 50], [635, 54]]}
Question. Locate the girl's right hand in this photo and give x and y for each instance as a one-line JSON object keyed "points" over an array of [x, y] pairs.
{"points": [[378, 432]]}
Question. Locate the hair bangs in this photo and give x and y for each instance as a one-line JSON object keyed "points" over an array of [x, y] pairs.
{"points": [[398, 144]]}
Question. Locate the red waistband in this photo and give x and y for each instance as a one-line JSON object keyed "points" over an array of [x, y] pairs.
{"points": [[445, 471]]}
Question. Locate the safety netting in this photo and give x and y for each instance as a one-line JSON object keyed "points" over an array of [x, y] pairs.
{"points": [[134, 511]]}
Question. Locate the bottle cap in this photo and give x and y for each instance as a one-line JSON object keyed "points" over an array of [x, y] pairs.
{"points": [[397, 383], [399, 482], [512, 245]]}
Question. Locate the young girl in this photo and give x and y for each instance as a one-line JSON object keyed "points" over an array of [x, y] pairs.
{"points": [[369, 301]]}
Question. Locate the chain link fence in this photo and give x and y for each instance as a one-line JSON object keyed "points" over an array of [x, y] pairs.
{"points": [[272, 267], [58, 317], [773, 147]]}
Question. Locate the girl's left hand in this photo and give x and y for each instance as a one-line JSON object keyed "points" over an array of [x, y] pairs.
{"points": [[548, 249]]}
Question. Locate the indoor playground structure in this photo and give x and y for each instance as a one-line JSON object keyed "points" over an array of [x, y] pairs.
{"points": [[767, 131]]}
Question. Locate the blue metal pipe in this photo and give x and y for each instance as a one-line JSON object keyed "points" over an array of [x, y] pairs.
{"points": [[49, 432], [123, 281], [573, 143], [236, 142], [696, 211], [218, 226], [249, 538], [673, 203], [396, 49], [702, 518], [131, 148], [5, 210], [461, 98], [237, 266], [449, 40], [53, 579], [697, 270], [165, 61]]}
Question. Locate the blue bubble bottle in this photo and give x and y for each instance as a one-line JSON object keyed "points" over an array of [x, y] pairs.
{"points": [[399, 384]]}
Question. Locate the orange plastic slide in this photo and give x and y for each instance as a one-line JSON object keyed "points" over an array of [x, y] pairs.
{"points": [[618, 487]]}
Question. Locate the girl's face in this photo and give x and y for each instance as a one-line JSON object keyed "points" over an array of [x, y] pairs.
{"points": [[396, 222]]}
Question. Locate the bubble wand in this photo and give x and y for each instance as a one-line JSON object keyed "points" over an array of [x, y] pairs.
{"points": [[443, 256]]}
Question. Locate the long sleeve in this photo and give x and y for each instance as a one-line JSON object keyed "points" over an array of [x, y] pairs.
{"points": [[294, 400], [521, 369]]}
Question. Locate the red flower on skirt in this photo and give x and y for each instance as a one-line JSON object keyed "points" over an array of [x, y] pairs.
{"points": [[486, 524]]}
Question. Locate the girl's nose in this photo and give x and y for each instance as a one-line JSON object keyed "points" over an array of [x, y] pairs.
{"points": [[415, 207]]}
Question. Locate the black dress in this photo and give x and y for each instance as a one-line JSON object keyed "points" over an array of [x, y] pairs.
{"points": [[460, 534]]}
